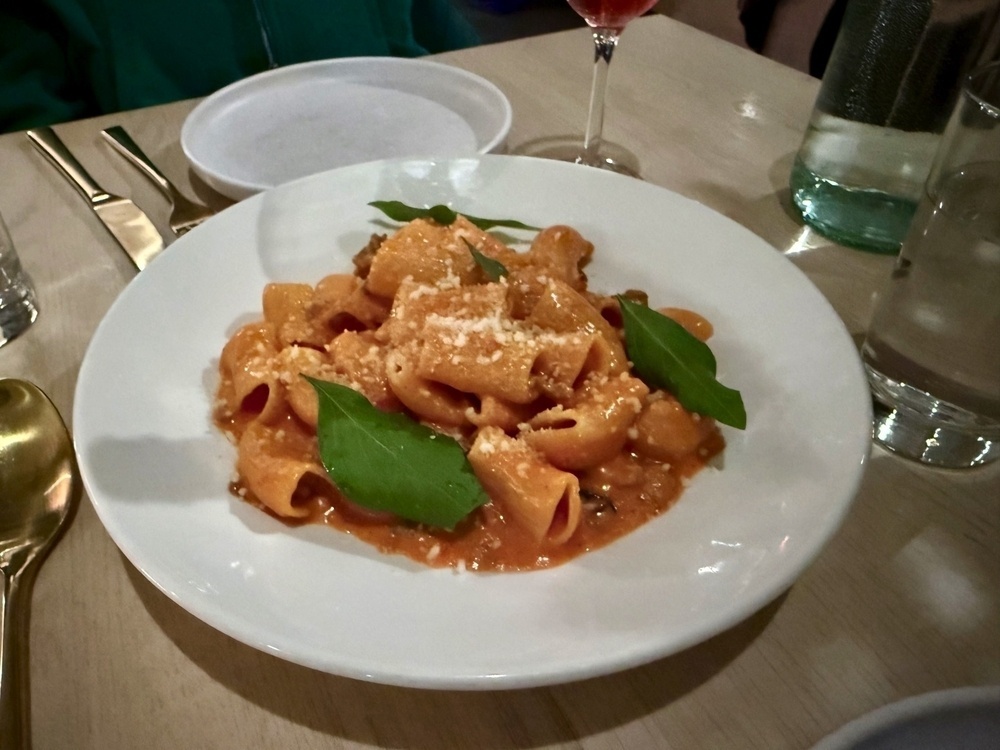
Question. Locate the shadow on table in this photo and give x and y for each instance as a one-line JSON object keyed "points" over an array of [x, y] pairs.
{"points": [[357, 711], [770, 216]]}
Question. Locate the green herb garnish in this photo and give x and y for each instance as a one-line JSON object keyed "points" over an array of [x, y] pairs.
{"points": [[665, 355], [443, 215], [493, 268], [388, 462]]}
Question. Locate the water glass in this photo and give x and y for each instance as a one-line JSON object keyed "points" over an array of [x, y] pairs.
{"points": [[932, 352], [893, 77], [18, 307]]}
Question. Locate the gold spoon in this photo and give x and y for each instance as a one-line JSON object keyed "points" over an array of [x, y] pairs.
{"points": [[39, 490]]}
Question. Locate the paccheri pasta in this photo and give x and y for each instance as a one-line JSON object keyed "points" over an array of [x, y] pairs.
{"points": [[527, 371]]}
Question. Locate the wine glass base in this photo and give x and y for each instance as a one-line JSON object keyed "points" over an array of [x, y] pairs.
{"points": [[611, 156]]}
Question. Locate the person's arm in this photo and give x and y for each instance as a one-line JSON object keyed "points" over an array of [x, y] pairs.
{"points": [[439, 26], [38, 85]]}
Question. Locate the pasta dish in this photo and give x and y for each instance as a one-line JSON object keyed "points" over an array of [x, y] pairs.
{"points": [[508, 353]]}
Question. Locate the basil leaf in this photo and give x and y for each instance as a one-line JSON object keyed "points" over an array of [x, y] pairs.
{"points": [[493, 268], [442, 215], [398, 211], [388, 462], [665, 355]]}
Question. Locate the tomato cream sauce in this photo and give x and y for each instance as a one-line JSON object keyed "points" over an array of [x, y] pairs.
{"points": [[619, 496]]}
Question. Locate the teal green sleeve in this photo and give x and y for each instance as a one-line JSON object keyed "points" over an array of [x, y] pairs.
{"points": [[439, 27], [67, 59], [37, 82], [317, 29]]}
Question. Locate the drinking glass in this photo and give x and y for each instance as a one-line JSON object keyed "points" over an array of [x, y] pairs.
{"points": [[608, 19], [18, 308], [932, 352]]}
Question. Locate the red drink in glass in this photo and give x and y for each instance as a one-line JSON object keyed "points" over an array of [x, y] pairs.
{"points": [[610, 14], [607, 19]]}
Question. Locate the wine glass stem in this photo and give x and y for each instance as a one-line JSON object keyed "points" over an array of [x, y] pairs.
{"points": [[605, 41]]}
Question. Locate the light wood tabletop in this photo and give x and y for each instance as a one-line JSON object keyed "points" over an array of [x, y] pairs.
{"points": [[905, 599]]}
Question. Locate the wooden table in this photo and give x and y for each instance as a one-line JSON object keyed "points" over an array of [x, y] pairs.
{"points": [[905, 599]]}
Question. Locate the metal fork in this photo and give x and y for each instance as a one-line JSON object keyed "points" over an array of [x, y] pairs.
{"points": [[185, 214]]}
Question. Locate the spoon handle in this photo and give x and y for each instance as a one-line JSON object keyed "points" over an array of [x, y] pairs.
{"points": [[15, 732]]}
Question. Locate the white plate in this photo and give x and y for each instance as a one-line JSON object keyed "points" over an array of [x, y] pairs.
{"points": [[157, 471], [960, 719], [288, 123]]}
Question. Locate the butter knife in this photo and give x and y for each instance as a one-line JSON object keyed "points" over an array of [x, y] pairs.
{"points": [[126, 221]]}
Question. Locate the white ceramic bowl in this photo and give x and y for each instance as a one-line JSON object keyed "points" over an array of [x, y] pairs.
{"points": [[288, 123]]}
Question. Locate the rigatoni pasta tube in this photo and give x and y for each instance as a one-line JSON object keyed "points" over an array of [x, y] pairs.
{"points": [[249, 381], [593, 428], [542, 499], [270, 465]]}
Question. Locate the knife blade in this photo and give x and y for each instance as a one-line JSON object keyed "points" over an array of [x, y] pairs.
{"points": [[126, 221]]}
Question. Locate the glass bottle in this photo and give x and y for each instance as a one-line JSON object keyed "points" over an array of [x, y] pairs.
{"points": [[890, 84]]}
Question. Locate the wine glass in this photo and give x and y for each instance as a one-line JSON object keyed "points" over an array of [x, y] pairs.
{"points": [[608, 19]]}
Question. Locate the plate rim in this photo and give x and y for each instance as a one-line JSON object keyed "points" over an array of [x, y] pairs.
{"points": [[635, 657], [239, 189], [904, 710]]}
